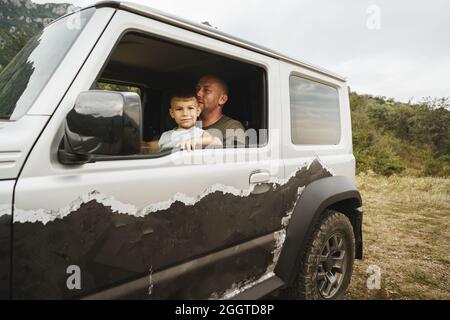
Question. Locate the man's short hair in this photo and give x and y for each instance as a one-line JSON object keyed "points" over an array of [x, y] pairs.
{"points": [[221, 82], [181, 93]]}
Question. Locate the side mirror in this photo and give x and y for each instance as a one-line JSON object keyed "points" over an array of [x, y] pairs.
{"points": [[103, 123]]}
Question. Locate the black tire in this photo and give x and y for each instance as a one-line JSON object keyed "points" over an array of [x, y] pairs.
{"points": [[327, 263]]}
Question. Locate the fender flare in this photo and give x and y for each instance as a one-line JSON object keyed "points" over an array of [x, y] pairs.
{"points": [[336, 192]]}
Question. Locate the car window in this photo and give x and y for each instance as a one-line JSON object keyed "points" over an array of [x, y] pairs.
{"points": [[24, 78], [164, 68], [315, 117]]}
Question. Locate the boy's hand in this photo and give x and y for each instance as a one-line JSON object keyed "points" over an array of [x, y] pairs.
{"points": [[205, 140], [190, 144]]}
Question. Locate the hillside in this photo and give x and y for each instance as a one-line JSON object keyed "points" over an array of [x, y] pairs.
{"points": [[391, 137], [21, 19]]}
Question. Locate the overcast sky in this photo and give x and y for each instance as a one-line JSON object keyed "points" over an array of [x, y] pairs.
{"points": [[393, 48]]}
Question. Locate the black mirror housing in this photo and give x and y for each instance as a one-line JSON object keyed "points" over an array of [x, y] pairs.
{"points": [[104, 123]]}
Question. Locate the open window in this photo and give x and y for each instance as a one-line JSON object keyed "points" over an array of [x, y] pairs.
{"points": [[154, 67]]}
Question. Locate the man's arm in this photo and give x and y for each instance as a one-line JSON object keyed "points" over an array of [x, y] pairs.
{"points": [[208, 140]]}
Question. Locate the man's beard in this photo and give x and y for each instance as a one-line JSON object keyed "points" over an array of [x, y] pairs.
{"points": [[205, 111]]}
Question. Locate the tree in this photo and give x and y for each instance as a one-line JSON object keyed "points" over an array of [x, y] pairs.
{"points": [[18, 41]]}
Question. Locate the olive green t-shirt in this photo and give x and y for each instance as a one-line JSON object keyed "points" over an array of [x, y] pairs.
{"points": [[229, 130]]}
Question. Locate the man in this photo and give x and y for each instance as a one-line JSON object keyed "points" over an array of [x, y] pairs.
{"points": [[212, 94]]}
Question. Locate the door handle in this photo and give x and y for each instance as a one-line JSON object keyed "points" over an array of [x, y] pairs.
{"points": [[259, 177]]}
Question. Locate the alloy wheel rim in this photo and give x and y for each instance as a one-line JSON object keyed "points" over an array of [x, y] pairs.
{"points": [[332, 262]]}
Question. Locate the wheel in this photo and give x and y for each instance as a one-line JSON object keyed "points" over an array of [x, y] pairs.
{"points": [[327, 262]]}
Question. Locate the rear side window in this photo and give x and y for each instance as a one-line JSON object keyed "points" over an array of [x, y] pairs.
{"points": [[314, 112]]}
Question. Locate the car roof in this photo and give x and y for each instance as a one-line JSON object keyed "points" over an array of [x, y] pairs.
{"points": [[210, 32]]}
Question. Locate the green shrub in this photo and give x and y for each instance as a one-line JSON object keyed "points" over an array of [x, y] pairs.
{"points": [[392, 137], [437, 167]]}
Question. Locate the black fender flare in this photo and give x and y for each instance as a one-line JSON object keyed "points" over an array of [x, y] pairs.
{"points": [[337, 192]]}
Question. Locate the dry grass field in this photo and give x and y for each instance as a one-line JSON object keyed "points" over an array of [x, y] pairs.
{"points": [[406, 233]]}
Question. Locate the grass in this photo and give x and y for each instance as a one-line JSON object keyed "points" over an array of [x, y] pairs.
{"points": [[406, 233]]}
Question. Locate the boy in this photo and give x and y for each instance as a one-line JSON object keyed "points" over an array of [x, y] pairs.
{"points": [[184, 110]]}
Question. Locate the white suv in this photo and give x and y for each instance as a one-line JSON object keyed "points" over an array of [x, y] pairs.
{"points": [[85, 214]]}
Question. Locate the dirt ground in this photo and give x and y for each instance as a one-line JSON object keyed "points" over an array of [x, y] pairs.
{"points": [[406, 233]]}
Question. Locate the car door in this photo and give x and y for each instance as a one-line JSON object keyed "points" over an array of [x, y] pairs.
{"points": [[187, 225]]}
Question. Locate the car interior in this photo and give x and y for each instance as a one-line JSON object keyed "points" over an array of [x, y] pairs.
{"points": [[154, 67]]}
